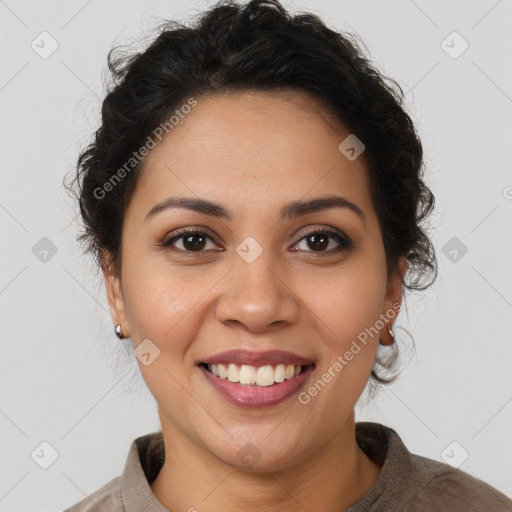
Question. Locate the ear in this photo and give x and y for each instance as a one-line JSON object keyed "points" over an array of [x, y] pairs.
{"points": [[393, 299], [114, 293]]}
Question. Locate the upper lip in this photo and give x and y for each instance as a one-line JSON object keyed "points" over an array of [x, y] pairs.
{"points": [[249, 357]]}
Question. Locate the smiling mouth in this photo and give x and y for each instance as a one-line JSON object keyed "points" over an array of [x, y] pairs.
{"points": [[255, 376]]}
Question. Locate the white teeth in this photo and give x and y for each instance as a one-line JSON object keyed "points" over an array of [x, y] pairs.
{"points": [[247, 374], [280, 373], [233, 373], [265, 376], [221, 370]]}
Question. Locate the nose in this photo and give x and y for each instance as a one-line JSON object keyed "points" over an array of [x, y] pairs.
{"points": [[258, 295]]}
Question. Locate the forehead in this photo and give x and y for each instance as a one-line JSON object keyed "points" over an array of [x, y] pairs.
{"points": [[253, 150]]}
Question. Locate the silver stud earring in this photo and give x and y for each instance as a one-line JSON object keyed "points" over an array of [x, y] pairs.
{"points": [[391, 333], [119, 332]]}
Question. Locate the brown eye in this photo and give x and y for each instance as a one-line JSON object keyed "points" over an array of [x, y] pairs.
{"points": [[191, 241], [194, 242], [320, 239]]}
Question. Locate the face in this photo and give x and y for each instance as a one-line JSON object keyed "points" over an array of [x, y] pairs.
{"points": [[263, 281]]}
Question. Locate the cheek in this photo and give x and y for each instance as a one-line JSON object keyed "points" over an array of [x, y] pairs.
{"points": [[347, 311], [161, 307], [158, 303], [347, 307], [348, 302]]}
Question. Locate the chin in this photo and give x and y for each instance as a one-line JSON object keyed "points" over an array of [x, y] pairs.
{"points": [[259, 451]]}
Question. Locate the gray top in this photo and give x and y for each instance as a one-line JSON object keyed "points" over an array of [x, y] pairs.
{"points": [[407, 482]]}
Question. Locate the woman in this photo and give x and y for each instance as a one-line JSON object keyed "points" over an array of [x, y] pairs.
{"points": [[254, 197]]}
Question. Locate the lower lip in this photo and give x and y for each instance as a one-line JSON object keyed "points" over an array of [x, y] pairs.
{"points": [[255, 396]]}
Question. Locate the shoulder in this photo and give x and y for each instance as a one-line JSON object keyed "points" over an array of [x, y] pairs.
{"points": [[131, 490], [410, 482], [106, 498], [442, 485]]}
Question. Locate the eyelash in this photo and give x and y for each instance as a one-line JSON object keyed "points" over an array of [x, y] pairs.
{"points": [[344, 242]]}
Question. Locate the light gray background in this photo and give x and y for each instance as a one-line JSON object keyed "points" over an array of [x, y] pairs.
{"points": [[67, 380]]}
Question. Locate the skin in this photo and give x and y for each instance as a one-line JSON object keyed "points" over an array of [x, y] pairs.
{"points": [[252, 153]]}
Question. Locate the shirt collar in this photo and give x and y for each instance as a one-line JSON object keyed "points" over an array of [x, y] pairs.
{"points": [[145, 459], [382, 445]]}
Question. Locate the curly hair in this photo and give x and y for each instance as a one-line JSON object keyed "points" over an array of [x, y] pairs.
{"points": [[259, 47]]}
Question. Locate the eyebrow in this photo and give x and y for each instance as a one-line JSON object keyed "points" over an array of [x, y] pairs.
{"points": [[288, 211]]}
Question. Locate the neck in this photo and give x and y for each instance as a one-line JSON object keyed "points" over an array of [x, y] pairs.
{"points": [[331, 479]]}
